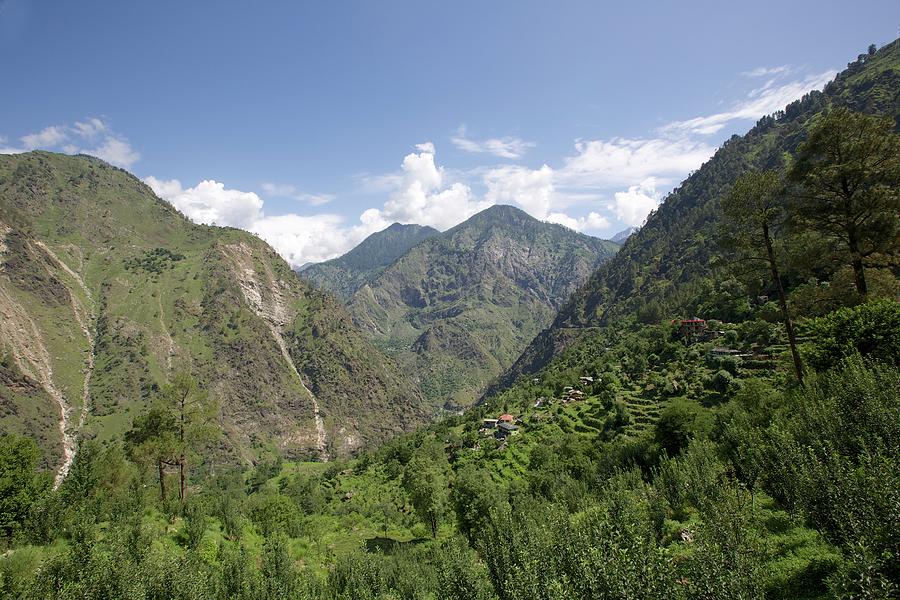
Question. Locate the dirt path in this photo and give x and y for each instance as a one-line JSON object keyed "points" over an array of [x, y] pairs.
{"points": [[170, 343]]}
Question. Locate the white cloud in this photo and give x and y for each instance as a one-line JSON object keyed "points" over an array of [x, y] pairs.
{"points": [[767, 71], [91, 136], [422, 195], [622, 161], [115, 151], [303, 239], [760, 102], [616, 178], [633, 205], [592, 222], [45, 138], [532, 190], [90, 128], [505, 147], [299, 239], [292, 193], [4, 149], [210, 202]]}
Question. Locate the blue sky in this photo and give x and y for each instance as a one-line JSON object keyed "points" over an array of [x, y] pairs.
{"points": [[314, 124]]}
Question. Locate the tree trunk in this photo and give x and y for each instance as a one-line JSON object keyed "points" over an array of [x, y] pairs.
{"points": [[782, 300], [182, 460], [859, 275], [181, 468], [162, 480]]}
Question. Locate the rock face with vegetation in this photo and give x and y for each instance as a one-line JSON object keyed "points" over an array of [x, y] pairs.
{"points": [[674, 264], [344, 275], [458, 308], [107, 292]]}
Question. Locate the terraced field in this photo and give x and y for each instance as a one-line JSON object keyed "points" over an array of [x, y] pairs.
{"points": [[643, 412]]}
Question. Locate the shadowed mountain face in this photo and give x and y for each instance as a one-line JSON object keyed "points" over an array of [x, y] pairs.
{"points": [[106, 292], [344, 275], [459, 307], [673, 265]]}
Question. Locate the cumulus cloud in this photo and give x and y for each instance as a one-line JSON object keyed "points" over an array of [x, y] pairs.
{"points": [[90, 128], [424, 196], [634, 204], [210, 202], [303, 239], [505, 147], [45, 138], [91, 136], [615, 178], [532, 190], [115, 151], [4, 149], [593, 221], [765, 100], [299, 239]]}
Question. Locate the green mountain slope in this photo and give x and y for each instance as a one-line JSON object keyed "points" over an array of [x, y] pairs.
{"points": [[106, 291], [344, 275], [673, 265], [458, 308]]}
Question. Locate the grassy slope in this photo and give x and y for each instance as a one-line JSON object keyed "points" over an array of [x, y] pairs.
{"points": [[208, 303]]}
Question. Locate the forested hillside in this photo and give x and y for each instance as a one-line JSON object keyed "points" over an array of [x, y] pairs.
{"points": [[674, 267], [107, 293], [457, 309]]}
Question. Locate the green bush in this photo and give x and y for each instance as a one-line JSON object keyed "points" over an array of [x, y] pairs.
{"points": [[871, 330]]}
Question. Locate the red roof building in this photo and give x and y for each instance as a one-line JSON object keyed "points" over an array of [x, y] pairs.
{"points": [[507, 418]]}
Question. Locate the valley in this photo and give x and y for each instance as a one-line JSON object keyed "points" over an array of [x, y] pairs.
{"points": [[703, 407]]}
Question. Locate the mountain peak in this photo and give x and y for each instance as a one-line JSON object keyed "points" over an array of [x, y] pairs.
{"points": [[347, 273], [623, 235]]}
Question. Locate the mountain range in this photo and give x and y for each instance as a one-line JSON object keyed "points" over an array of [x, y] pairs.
{"points": [[457, 308], [106, 292]]}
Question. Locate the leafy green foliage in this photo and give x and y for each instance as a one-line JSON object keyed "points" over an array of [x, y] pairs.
{"points": [[425, 480], [871, 330], [154, 261], [20, 486], [848, 175], [648, 464]]}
